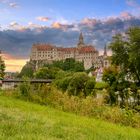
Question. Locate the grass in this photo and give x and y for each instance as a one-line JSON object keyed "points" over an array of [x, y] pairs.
{"points": [[28, 121]]}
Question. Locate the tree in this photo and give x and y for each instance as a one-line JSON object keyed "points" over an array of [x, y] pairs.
{"points": [[26, 71], [46, 73], [42, 73], [77, 83], [79, 67], [2, 68], [68, 64], [126, 53], [89, 87], [110, 75]]}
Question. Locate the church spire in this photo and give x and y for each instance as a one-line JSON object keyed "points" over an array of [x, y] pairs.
{"points": [[81, 41], [105, 51]]}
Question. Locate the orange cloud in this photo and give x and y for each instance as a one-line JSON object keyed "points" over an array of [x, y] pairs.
{"points": [[43, 18], [56, 25]]}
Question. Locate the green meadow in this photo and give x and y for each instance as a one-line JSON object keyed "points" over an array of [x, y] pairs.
{"points": [[29, 121]]}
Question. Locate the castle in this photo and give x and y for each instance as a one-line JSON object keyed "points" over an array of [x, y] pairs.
{"points": [[47, 53]]}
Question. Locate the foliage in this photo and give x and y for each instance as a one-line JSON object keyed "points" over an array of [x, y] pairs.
{"points": [[124, 77], [125, 49], [24, 88], [2, 68], [63, 83], [110, 75], [47, 123], [88, 106], [77, 83], [101, 85], [89, 87], [27, 71], [68, 64], [46, 73]]}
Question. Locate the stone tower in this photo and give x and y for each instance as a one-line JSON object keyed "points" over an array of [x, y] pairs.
{"points": [[81, 41]]}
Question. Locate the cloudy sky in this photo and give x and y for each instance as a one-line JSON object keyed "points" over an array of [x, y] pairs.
{"points": [[24, 22]]}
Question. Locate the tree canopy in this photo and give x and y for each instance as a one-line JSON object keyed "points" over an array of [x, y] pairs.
{"points": [[126, 53], [2, 68]]}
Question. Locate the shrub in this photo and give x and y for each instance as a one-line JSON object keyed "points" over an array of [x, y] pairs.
{"points": [[88, 106], [77, 83], [89, 87], [64, 83], [101, 85], [24, 88]]}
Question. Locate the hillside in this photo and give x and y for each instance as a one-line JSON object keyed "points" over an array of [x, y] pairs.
{"points": [[24, 120]]}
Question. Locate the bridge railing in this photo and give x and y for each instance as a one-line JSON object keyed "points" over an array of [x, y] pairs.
{"points": [[31, 81]]}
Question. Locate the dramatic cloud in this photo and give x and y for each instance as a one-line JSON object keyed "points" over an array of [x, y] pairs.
{"points": [[43, 18], [18, 40]]}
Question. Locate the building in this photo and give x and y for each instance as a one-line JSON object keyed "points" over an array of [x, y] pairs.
{"points": [[47, 53], [103, 62]]}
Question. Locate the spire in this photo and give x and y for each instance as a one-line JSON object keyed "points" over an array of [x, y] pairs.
{"points": [[105, 51], [81, 41]]}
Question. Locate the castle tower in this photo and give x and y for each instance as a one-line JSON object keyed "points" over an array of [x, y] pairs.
{"points": [[81, 41]]}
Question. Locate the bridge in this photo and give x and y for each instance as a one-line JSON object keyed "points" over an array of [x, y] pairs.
{"points": [[11, 83], [31, 81]]}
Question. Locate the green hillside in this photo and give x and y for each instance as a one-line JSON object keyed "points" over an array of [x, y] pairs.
{"points": [[24, 120]]}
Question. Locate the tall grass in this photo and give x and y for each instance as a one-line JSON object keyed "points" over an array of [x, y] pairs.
{"points": [[89, 106], [28, 121]]}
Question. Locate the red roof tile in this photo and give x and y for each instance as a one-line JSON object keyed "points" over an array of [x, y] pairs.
{"points": [[49, 47], [44, 47], [87, 49]]}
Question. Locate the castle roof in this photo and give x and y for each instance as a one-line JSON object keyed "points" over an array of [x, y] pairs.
{"points": [[49, 47], [87, 49], [44, 47]]}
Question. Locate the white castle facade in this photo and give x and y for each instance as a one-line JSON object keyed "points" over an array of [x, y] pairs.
{"points": [[87, 54]]}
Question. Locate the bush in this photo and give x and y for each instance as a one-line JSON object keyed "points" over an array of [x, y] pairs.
{"points": [[24, 88], [64, 83], [89, 87], [88, 106], [77, 83], [101, 85]]}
